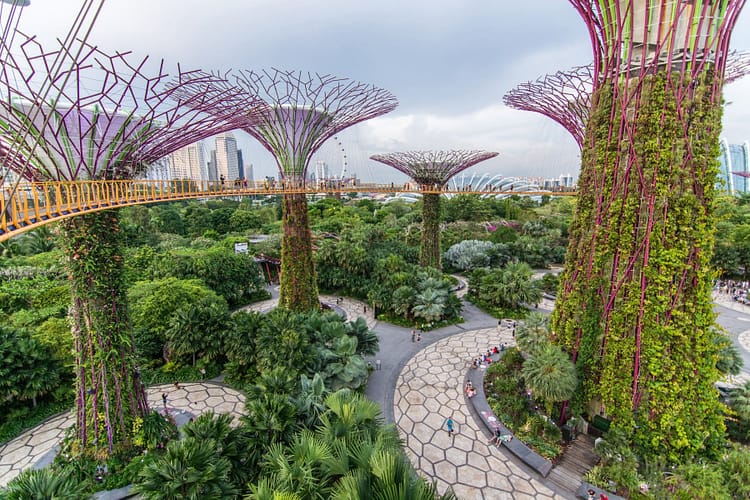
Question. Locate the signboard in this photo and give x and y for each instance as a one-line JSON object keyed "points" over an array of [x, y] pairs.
{"points": [[240, 248]]}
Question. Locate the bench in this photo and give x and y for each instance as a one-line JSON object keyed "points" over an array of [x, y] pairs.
{"points": [[491, 422]]}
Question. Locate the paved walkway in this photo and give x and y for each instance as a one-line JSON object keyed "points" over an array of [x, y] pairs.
{"points": [[37, 444], [428, 391]]}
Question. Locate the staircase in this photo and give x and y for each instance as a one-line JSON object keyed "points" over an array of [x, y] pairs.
{"points": [[578, 458]]}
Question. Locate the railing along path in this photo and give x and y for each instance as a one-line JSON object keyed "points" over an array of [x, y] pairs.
{"points": [[32, 204]]}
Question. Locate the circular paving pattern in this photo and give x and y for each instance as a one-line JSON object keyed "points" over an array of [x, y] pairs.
{"points": [[194, 398], [428, 391]]}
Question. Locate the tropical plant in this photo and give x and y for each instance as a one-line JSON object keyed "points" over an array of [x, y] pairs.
{"points": [[470, 254], [232, 443], [43, 484], [191, 469], [430, 305], [533, 332], [739, 401], [199, 327], [27, 369], [550, 374]]}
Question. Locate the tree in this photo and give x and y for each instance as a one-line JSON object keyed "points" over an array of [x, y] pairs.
{"points": [[533, 333], [199, 327], [42, 484], [27, 369], [232, 443], [155, 302], [729, 360], [469, 254], [550, 374], [192, 468], [430, 305], [739, 401]]}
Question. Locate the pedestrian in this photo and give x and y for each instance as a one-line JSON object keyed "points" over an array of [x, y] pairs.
{"points": [[364, 308], [177, 385], [203, 373], [413, 335], [164, 399], [591, 494], [449, 425], [419, 337], [377, 364]]}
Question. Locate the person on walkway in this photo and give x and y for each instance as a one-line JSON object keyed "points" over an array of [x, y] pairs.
{"points": [[449, 425], [413, 335], [419, 337], [499, 437], [591, 494], [164, 399], [377, 364]]}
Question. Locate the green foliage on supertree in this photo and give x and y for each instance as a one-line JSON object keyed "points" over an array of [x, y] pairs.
{"points": [[634, 304]]}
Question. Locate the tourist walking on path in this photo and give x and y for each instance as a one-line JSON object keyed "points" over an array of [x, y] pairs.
{"points": [[449, 425], [164, 399]]}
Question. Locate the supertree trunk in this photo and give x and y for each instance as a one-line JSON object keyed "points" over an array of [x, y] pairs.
{"points": [[429, 255], [635, 307], [109, 391], [299, 289]]}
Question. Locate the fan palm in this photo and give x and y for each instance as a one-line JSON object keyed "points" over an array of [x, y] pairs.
{"points": [[43, 483], [191, 469], [232, 442], [430, 305], [739, 401], [533, 333], [550, 374], [368, 343]]}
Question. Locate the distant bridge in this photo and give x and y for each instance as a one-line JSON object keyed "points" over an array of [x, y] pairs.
{"points": [[32, 204]]}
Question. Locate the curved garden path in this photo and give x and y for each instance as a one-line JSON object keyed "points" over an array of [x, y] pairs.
{"points": [[36, 446], [428, 391]]}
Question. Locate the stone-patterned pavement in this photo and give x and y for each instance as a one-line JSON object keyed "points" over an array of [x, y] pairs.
{"points": [[191, 398], [428, 391], [352, 308]]}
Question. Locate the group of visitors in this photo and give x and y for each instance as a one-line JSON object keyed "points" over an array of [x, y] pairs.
{"points": [[485, 359], [738, 290]]}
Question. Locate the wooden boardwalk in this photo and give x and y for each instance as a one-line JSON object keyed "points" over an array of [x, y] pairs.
{"points": [[577, 460]]}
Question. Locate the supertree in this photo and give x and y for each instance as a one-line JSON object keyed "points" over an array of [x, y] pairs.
{"points": [[109, 123], [432, 169], [301, 112], [634, 306], [565, 96]]}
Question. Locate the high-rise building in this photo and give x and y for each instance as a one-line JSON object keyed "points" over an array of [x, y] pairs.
{"points": [[240, 165], [213, 175], [734, 167], [189, 162], [321, 170], [227, 160]]}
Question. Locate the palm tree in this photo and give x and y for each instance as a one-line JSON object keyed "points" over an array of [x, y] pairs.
{"points": [[403, 301], [44, 483], [739, 401], [349, 416], [533, 332], [729, 360], [191, 469], [232, 443], [430, 305], [39, 241], [550, 374], [368, 343]]}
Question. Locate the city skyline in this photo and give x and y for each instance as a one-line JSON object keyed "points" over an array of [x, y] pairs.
{"points": [[448, 64]]}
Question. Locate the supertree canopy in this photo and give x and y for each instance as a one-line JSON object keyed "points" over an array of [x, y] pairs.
{"points": [[634, 306], [301, 111], [565, 96], [432, 169], [108, 123]]}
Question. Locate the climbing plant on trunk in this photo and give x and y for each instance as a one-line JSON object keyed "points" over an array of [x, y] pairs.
{"points": [[109, 391]]}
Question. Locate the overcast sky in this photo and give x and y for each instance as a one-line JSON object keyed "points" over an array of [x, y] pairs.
{"points": [[448, 62]]}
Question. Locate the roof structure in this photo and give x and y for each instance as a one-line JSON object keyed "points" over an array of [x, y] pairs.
{"points": [[111, 116], [565, 96], [433, 167], [300, 111]]}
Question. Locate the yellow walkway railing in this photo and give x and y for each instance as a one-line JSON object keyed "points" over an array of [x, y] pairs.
{"points": [[29, 205]]}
